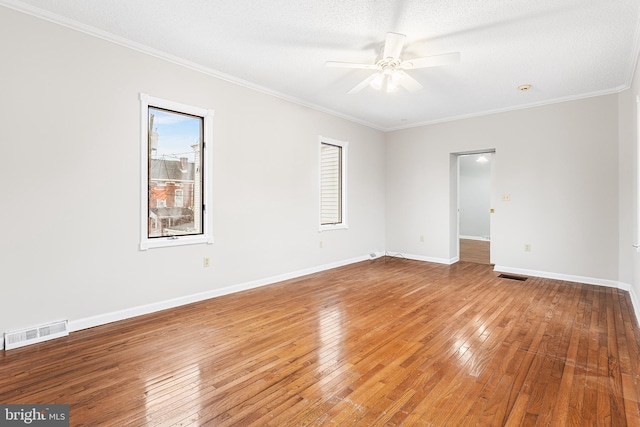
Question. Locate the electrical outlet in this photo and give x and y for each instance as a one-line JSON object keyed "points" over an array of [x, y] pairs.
{"points": [[320, 244], [422, 238], [527, 247], [506, 197], [206, 262]]}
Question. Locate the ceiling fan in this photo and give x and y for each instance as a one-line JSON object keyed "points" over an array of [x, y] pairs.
{"points": [[390, 70]]}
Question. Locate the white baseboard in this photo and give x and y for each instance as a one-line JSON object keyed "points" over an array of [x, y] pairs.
{"points": [[76, 325], [635, 304], [102, 319], [423, 258], [484, 239], [579, 279], [565, 277]]}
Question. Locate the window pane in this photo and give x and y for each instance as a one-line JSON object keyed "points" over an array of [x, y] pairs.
{"points": [[178, 198], [330, 184], [175, 173]]}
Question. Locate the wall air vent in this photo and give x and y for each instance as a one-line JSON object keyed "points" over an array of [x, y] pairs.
{"points": [[38, 334]]}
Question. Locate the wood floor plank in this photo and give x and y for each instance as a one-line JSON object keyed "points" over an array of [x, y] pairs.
{"points": [[477, 251], [383, 342]]}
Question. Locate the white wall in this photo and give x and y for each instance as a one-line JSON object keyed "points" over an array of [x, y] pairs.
{"points": [[475, 196], [71, 200], [70, 140], [629, 258], [558, 163]]}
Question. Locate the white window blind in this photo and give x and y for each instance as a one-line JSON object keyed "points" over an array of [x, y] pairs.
{"points": [[330, 184]]}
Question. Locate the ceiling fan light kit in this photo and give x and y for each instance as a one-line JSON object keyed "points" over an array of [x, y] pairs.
{"points": [[390, 71], [388, 79]]}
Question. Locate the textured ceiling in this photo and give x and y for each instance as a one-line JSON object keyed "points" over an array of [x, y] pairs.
{"points": [[566, 49]]}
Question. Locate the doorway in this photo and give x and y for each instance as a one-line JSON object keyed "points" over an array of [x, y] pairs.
{"points": [[474, 183]]}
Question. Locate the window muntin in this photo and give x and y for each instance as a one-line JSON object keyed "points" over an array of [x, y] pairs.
{"points": [[174, 188], [333, 155]]}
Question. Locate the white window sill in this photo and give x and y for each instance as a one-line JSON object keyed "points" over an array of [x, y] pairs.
{"points": [[329, 227]]}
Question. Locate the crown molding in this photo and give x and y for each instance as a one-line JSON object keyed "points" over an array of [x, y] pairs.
{"points": [[147, 50], [104, 35], [514, 108]]}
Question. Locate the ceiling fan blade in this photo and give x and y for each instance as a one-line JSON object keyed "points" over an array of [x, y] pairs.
{"points": [[407, 82], [366, 82], [350, 65], [393, 45], [431, 61]]}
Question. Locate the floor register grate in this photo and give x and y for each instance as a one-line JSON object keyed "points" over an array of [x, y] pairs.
{"points": [[512, 277]]}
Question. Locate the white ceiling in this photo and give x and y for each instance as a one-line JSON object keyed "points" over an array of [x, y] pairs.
{"points": [[566, 49]]}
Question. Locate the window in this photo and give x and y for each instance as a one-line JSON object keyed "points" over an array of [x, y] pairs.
{"points": [[333, 179], [179, 198], [174, 167]]}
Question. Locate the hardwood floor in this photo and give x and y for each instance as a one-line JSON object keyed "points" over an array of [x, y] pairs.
{"points": [[384, 342], [475, 251]]}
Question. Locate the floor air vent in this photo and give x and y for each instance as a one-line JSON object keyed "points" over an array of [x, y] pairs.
{"points": [[512, 277], [38, 334]]}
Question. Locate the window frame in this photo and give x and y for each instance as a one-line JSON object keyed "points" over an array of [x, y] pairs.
{"points": [[206, 236], [636, 243], [344, 145]]}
